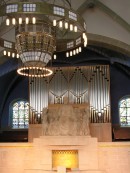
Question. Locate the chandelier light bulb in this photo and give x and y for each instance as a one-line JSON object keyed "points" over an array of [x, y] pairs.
{"points": [[17, 55], [74, 52], [71, 53], [66, 25], [34, 20], [60, 24], [77, 50], [14, 21], [80, 49], [7, 22], [84, 35], [85, 39], [8, 53], [54, 56], [20, 20], [27, 20], [54, 22], [85, 43], [75, 28], [13, 55], [71, 27], [4, 52], [67, 54]]}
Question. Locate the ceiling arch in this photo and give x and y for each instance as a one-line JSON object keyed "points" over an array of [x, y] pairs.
{"points": [[105, 9], [110, 43]]}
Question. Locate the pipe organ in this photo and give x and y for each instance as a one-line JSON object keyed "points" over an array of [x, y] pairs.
{"points": [[38, 88], [99, 94], [85, 84], [69, 82]]}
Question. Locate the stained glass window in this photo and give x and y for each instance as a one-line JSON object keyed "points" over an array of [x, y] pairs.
{"points": [[20, 111], [124, 111]]}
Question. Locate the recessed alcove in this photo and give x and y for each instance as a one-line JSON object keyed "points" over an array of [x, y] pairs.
{"points": [[66, 158]]}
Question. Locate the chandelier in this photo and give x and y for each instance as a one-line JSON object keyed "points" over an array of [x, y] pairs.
{"points": [[42, 29]]}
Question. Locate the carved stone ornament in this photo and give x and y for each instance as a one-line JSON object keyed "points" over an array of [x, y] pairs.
{"points": [[65, 120]]}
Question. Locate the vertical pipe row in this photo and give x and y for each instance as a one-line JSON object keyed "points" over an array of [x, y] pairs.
{"points": [[75, 82], [38, 98], [99, 94]]}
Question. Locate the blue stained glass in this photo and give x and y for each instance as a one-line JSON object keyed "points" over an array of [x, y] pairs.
{"points": [[20, 114], [15, 114], [124, 111]]}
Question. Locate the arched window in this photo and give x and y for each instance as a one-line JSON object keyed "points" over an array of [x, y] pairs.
{"points": [[20, 114], [124, 111]]}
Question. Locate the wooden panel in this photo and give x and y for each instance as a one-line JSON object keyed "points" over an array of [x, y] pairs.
{"points": [[102, 131], [121, 132]]}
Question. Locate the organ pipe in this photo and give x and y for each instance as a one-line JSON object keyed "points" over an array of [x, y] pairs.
{"points": [[88, 84]]}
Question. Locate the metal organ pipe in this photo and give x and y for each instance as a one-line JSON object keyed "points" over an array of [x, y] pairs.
{"points": [[73, 82], [99, 93]]}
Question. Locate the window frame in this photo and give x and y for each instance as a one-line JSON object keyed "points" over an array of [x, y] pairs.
{"points": [[11, 114], [125, 98], [58, 11], [12, 8], [29, 7]]}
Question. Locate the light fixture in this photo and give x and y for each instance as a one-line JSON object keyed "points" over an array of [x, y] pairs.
{"points": [[39, 72], [60, 24], [42, 32], [75, 28], [77, 50], [7, 22], [74, 52], [85, 39], [71, 27], [67, 54], [80, 49], [13, 21], [17, 56], [4, 52], [54, 22], [8, 53], [20, 21], [26, 20], [13, 55], [54, 56], [34, 20], [66, 25]]}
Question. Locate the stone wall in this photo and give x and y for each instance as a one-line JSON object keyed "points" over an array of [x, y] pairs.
{"points": [[36, 157], [69, 120], [102, 131]]}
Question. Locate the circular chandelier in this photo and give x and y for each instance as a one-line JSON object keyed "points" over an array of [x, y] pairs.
{"points": [[41, 30], [34, 71]]}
